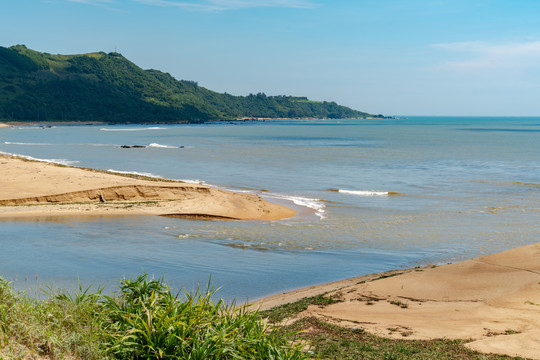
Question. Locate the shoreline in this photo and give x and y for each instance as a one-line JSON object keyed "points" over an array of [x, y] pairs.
{"points": [[32, 189], [493, 300], [242, 119]]}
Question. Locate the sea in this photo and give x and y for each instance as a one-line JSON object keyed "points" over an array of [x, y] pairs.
{"points": [[372, 195]]}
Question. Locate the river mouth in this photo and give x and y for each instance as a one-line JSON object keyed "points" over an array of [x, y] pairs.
{"points": [[462, 194]]}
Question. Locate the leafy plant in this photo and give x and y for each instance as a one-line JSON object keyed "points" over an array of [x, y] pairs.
{"points": [[147, 321]]}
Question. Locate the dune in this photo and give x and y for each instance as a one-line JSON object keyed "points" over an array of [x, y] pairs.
{"points": [[31, 188], [493, 300]]}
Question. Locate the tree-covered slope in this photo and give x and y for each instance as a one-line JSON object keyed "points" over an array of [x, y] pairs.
{"points": [[104, 87]]}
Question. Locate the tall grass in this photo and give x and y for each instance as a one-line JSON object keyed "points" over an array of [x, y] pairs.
{"points": [[145, 320], [53, 328]]}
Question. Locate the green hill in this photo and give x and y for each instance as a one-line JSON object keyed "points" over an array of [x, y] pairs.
{"points": [[37, 86]]}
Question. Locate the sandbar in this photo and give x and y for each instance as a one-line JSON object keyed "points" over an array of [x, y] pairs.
{"points": [[492, 300], [32, 188]]}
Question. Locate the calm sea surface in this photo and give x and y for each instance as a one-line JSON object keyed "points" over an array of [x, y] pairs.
{"points": [[381, 194]]}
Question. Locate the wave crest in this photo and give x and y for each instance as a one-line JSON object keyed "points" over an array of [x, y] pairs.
{"points": [[135, 173], [27, 144], [52, 161], [156, 145], [315, 204], [134, 129]]}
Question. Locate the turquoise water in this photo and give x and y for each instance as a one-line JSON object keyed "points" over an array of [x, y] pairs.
{"points": [[381, 194]]}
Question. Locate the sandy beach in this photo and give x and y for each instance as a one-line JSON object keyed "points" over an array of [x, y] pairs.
{"points": [[30, 188], [493, 300]]}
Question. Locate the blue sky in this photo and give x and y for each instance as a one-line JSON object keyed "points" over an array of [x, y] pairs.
{"points": [[395, 57]]}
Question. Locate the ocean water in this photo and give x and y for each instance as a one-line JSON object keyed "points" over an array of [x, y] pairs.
{"points": [[374, 195]]}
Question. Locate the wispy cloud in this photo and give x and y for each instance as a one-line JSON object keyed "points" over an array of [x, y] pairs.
{"points": [[220, 5], [480, 55], [209, 5], [93, 2]]}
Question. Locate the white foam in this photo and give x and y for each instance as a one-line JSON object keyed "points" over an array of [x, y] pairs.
{"points": [[22, 143], [52, 161], [135, 173], [134, 129], [100, 145], [315, 204], [155, 145], [364, 192], [34, 127], [196, 182]]}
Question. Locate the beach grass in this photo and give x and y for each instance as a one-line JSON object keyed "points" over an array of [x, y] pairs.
{"points": [[32, 328], [323, 340], [334, 342], [282, 312], [145, 320]]}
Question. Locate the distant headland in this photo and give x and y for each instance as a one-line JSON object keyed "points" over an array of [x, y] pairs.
{"points": [[107, 87]]}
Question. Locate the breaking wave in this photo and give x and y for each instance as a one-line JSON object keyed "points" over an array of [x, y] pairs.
{"points": [[365, 192], [134, 129], [155, 145], [315, 204], [135, 173], [27, 144], [52, 161]]}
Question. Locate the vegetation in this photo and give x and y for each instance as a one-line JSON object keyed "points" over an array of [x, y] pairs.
{"points": [[333, 342], [145, 321], [282, 312], [102, 87], [328, 341]]}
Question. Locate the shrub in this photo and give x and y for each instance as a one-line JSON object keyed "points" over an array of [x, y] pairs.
{"points": [[146, 321]]}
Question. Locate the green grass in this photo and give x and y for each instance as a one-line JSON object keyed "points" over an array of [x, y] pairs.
{"points": [[53, 328], [279, 313], [144, 321], [334, 342], [327, 341]]}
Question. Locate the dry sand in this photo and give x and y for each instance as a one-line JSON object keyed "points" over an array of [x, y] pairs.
{"points": [[493, 300], [30, 188]]}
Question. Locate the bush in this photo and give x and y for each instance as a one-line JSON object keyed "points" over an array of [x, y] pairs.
{"points": [[144, 321], [148, 322]]}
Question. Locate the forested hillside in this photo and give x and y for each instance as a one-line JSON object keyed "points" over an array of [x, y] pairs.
{"points": [[37, 86]]}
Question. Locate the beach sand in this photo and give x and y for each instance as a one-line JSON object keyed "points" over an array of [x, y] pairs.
{"points": [[30, 188], [493, 300]]}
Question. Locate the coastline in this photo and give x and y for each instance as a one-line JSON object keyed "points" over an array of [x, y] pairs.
{"points": [[493, 300], [40, 189], [241, 119]]}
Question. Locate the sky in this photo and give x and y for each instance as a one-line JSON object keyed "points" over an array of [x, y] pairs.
{"points": [[393, 57]]}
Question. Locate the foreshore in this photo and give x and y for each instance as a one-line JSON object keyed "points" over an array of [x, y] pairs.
{"points": [[493, 300], [241, 119], [39, 189]]}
